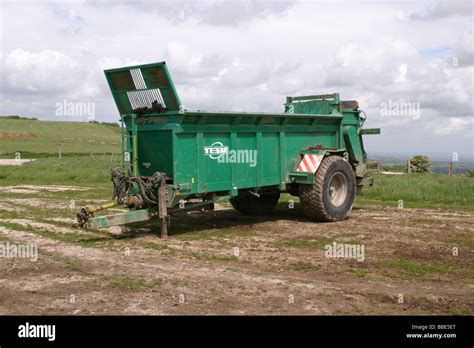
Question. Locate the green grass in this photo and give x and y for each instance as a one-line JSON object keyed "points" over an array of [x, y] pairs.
{"points": [[67, 170], [417, 269], [358, 272], [467, 242], [74, 263], [460, 310], [421, 190], [304, 266], [154, 246], [92, 239], [77, 137], [212, 257], [310, 243], [426, 222], [357, 309], [398, 167]]}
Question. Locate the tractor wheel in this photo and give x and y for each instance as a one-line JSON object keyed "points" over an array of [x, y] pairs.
{"points": [[332, 196], [250, 204]]}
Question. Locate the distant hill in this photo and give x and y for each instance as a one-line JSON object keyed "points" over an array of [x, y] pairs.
{"points": [[19, 134]]}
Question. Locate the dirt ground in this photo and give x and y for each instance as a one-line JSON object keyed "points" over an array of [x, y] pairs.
{"points": [[416, 261]]}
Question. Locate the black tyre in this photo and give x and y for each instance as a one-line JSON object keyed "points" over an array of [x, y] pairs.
{"points": [[332, 196], [249, 204]]}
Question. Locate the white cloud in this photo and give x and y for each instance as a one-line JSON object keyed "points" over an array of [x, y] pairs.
{"points": [[453, 126], [216, 13], [443, 9], [39, 72], [242, 55], [463, 52]]}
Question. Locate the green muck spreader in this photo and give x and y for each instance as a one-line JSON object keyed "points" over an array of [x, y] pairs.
{"points": [[177, 160]]}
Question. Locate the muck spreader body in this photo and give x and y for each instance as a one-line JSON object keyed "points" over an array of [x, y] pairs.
{"points": [[177, 160]]}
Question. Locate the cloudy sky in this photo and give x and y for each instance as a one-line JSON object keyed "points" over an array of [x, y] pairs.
{"points": [[248, 55]]}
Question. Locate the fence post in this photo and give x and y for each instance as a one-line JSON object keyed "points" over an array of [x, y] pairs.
{"points": [[450, 168]]}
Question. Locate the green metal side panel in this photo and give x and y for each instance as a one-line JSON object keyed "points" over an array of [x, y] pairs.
{"points": [[185, 160], [277, 154], [270, 159], [215, 176], [246, 173], [155, 152], [296, 142]]}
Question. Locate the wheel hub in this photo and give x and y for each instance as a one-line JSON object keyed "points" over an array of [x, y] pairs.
{"points": [[338, 187]]}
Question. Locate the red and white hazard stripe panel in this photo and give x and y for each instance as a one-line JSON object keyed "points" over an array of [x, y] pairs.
{"points": [[309, 163]]}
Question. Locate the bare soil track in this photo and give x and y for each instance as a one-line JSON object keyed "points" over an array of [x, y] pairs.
{"points": [[222, 262]]}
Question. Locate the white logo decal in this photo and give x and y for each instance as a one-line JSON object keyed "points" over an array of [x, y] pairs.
{"points": [[216, 150]]}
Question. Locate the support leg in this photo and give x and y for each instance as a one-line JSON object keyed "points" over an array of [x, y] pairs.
{"points": [[163, 209], [164, 227]]}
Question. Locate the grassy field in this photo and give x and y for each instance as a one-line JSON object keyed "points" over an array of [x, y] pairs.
{"points": [[32, 137], [421, 190], [67, 170]]}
